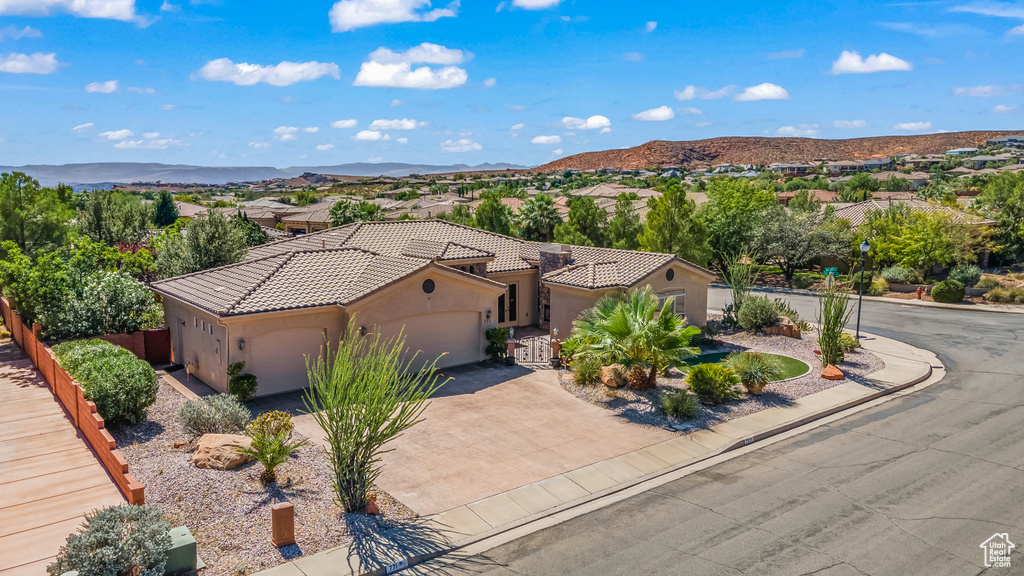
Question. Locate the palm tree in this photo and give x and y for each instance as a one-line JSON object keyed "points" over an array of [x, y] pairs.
{"points": [[628, 328], [538, 218]]}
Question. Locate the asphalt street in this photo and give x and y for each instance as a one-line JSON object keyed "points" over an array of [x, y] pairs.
{"points": [[912, 486]]}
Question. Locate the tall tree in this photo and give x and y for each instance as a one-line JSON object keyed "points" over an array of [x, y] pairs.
{"points": [[586, 220], [672, 227], [165, 211], [625, 227], [345, 212], [792, 240], [1003, 199], [33, 218], [207, 241], [460, 214], [114, 217], [494, 216], [538, 217], [730, 215]]}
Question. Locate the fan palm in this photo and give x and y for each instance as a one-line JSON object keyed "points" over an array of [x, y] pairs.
{"points": [[628, 328], [538, 218]]}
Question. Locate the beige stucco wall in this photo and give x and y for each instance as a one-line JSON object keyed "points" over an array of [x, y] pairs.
{"points": [[568, 302], [527, 296], [205, 353]]}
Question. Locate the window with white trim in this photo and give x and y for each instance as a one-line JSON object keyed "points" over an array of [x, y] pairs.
{"points": [[678, 304]]}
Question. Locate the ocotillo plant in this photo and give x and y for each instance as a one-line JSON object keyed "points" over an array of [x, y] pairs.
{"points": [[832, 316]]}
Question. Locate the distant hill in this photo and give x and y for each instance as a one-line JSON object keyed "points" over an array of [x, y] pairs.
{"points": [[759, 150], [105, 173]]}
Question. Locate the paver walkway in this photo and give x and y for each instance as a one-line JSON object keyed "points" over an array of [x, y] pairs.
{"points": [[49, 477]]}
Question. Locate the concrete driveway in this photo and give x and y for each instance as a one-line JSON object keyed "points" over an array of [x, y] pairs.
{"points": [[493, 429]]}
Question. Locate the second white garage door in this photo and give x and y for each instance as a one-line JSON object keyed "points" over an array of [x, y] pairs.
{"points": [[458, 334]]}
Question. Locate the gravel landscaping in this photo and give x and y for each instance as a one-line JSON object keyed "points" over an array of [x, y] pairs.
{"points": [[645, 407], [228, 512]]}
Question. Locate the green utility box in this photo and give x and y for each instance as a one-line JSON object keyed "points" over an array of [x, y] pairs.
{"points": [[182, 556]]}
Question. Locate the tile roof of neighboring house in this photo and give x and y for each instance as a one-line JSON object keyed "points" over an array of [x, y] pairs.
{"points": [[264, 203], [187, 210], [857, 213], [594, 268], [320, 215]]}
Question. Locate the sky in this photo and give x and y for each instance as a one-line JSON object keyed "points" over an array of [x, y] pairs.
{"points": [[321, 82]]}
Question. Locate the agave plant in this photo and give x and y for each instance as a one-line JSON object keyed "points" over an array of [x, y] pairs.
{"points": [[628, 328]]}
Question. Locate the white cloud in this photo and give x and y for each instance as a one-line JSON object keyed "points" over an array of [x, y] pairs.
{"points": [[849, 124], [692, 111], [784, 54], [396, 103], [386, 68], [117, 134], [311, 129], [557, 151], [800, 131], [592, 123], [283, 74], [37, 63], [490, 83], [650, 26], [691, 92], [285, 133], [766, 91], [159, 144], [1004, 109], [996, 9], [142, 90], [633, 57], [535, 4], [351, 14], [851, 62], [1015, 31], [260, 144], [402, 140], [344, 124], [370, 135], [168, 7], [546, 139], [123, 10], [912, 126], [107, 87], [403, 124], [519, 126], [425, 53], [166, 107], [463, 145], [15, 33], [151, 135], [659, 114], [985, 91], [324, 147], [83, 127]]}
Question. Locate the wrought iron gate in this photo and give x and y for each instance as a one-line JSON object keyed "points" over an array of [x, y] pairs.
{"points": [[533, 350]]}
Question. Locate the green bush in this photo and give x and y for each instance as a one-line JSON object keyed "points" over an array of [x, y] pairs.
{"points": [[988, 283], [848, 343], [948, 292], [900, 275], [241, 386], [497, 343], [586, 369], [271, 435], [679, 404], [802, 282], [713, 383], [968, 275], [757, 313], [754, 369], [220, 414], [121, 385], [116, 541], [879, 287], [1006, 295]]}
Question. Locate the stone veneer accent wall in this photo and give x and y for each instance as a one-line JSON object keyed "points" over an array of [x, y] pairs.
{"points": [[552, 257]]}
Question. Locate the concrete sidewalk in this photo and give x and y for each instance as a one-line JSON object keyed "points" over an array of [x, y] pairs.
{"points": [[564, 495], [963, 306]]}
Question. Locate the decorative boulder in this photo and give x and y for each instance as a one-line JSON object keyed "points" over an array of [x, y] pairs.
{"points": [[220, 451], [832, 373], [784, 327], [613, 376]]}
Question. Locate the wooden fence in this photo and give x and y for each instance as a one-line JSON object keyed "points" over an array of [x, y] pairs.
{"points": [[81, 411]]}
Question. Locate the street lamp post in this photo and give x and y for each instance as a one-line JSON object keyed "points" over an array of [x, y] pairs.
{"points": [[864, 249]]}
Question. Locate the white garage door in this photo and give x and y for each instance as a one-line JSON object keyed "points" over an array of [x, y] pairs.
{"points": [[459, 334]]}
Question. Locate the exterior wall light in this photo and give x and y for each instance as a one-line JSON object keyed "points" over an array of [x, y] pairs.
{"points": [[241, 343], [488, 314], [362, 330]]}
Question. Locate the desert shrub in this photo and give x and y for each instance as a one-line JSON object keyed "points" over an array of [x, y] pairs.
{"points": [[848, 343], [900, 275], [679, 404], [802, 282], [271, 435], [787, 310], [879, 287], [220, 414], [116, 541], [754, 369], [832, 317], [241, 386], [497, 343], [948, 292], [1006, 295], [757, 313], [121, 385], [713, 383], [586, 369], [988, 283], [967, 274]]}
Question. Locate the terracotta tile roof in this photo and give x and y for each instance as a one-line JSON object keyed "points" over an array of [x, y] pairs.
{"points": [[436, 250], [606, 267], [857, 213]]}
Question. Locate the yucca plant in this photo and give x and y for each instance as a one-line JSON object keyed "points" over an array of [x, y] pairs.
{"points": [[365, 395], [832, 316], [754, 369], [271, 435]]}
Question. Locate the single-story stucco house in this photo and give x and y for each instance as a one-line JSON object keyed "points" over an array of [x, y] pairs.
{"points": [[441, 283]]}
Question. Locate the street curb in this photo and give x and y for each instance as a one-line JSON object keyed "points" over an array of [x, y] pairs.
{"points": [[741, 443], [919, 303]]}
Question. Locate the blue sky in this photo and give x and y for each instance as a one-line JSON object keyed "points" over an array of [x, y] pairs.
{"points": [[310, 82]]}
